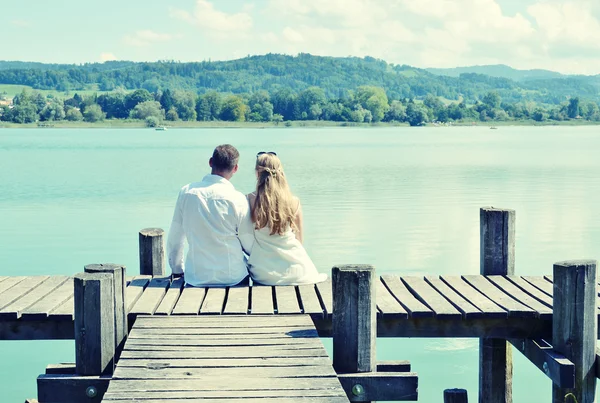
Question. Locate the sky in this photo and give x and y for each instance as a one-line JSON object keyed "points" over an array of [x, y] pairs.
{"points": [[559, 35]]}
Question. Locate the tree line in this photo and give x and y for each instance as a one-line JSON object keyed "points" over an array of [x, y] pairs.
{"points": [[365, 104]]}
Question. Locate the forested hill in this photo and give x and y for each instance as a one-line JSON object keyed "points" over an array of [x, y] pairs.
{"points": [[336, 76], [499, 70]]}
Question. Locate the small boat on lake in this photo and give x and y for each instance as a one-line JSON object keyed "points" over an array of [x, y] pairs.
{"points": [[161, 128]]}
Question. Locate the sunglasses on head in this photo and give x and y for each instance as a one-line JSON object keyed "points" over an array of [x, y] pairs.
{"points": [[266, 152]]}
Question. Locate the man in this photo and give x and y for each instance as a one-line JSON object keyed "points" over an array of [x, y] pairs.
{"points": [[214, 218]]}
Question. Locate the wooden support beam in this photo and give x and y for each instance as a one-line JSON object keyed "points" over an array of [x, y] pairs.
{"points": [[118, 273], [94, 323], [62, 368], [36, 330], [575, 324], [455, 396], [597, 362], [497, 257], [393, 366], [152, 252], [70, 388], [380, 386], [556, 367], [354, 318]]}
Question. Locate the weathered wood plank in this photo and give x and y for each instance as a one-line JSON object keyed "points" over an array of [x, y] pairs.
{"points": [[15, 309], [43, 308], [232, 337], [152, 251], [64, 311], [213, 301], [237, 302], [531, 290], [540, 283], [517, 293], [20, 288], [218, 353], [233, 394], [387, 304], [324, 292], [190, 301], [36, 330], [261, 300], [254, 341], [310, 300], [168, 302], [556, 367], [514, 307], [61, 388], [413, 306], [230, 321], [232, 373], [226, 362], [476, 298], [431, 298], [381, 386], [299, 399], [152, 296], [134, 290], [455, 396], [9, 282], [286, 300], [467, 309]]}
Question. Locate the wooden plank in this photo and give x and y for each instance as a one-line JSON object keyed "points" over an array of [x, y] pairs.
{"points": [[218, 352], [431, 298], [413, 306], [517, 293], [514, 307], [9, 282], [261, 300], [134, 290], [381, 386], [556, 367], [476, 298], [467, 309], [61, 388], [217, 341], [237, 301], [232, 373], [455, 396], [231, 337], [531, 290], [226, 362], [15, 309], [540, 283], [298, 399], [299, 331], [64, 311], [310, 299], [20, 289], [387, 304], [152, 251], [235, 395], [43, 308], [325, 296], [173, 293], [213, 301], [286, 300], [219, 383], [151, 297], [190, 301], [231, 321]]}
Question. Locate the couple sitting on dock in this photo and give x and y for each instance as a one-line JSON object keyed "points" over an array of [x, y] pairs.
{"points": [[232, 237]]}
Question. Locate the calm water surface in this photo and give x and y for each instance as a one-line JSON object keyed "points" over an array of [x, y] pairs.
{"points": [[405, 200]]}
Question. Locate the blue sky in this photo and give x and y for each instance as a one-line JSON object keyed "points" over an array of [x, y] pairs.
{"points": [[558, 35]]}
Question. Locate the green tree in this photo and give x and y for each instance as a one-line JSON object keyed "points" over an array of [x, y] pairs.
{"points": [[374, 100], [233, 109], [113, 104], [416, 114], [93, 113], [573, 108], [396, 113], [74, 115], [284, 103], [152, 121], [54, 110], [310, 102], [185, 103], [208, 106], [135, 98], [25, 112], [146, 109], [492, 100], [172, 114]]}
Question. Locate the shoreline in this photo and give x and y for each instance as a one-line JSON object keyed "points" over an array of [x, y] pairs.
{"points": [[132, 124]]}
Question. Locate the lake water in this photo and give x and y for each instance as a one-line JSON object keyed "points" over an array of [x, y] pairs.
{"points": [[403, 199]]}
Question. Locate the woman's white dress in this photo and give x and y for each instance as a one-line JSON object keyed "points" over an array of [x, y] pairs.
{"points": [[281, 260]]}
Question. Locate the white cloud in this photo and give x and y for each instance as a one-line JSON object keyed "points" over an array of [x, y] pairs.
{"points": [[107, 57], [147, 37], [292, 35], [206, 16]]}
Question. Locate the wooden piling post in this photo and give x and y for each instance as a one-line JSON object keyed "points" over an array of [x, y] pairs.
{"points": [[152, 252], [94, 323], [497, 257], [354, 318], [455, 396], [574, 326], [118, 274]]}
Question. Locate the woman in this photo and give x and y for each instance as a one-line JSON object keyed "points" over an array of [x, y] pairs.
{"points": [[277, 257]]}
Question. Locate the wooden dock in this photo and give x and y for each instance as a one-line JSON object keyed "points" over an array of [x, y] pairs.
{"points": [[212, 359]]}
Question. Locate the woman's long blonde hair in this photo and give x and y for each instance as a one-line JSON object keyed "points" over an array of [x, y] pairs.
{"points": [[275, 206]]}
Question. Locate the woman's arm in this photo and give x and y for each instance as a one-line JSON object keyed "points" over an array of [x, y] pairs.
{"points": [[298, 222]]}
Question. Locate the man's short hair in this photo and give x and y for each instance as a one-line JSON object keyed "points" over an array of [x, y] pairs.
{"points": [[225, 158]]}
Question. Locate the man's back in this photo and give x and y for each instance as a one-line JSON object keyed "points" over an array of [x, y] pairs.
{"points": [[214, 218]]}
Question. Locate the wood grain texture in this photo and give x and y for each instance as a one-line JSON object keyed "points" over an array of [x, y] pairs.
{"points": [[43, 308], [213, 301], [261, 300], [467, 309], [387, 304], [325, 297], [238, 299], [152, 252], [310, 300], [413, 306], [287, 300], [151, 297], [190, 301], [431, 298], [15, 309], [474, 297], [168, 302], [455, 396]]}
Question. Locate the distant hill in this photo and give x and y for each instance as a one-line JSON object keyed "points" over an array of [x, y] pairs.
{"points": [[498, 70], [337, 76]]}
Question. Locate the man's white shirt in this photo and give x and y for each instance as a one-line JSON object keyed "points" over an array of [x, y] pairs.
{"points": [[215, 220]]}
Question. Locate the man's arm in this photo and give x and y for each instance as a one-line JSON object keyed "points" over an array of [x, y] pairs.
{"points": [[245, 227], [176, 239]]}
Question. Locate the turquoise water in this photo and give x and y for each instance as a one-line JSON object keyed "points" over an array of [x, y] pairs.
{"points": [[405, 200]]}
